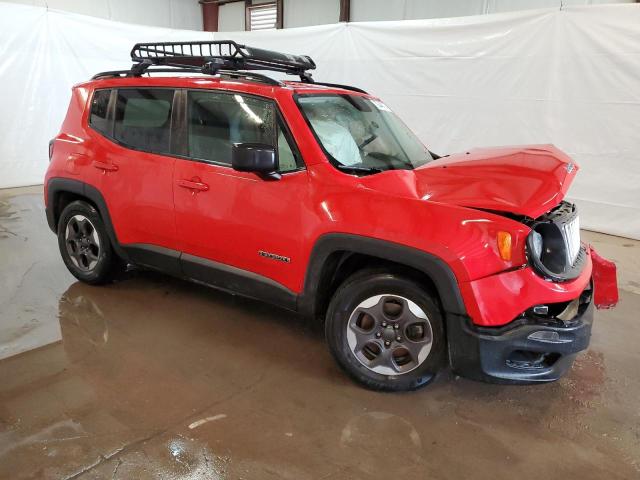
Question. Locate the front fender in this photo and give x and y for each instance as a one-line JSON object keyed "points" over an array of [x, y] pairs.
{"points": [[437, 269]]}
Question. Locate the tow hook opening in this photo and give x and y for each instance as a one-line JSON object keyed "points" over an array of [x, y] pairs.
{"points": [[527, 359]]}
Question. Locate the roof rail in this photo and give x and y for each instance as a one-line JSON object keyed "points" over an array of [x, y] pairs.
{"points": [[212, 56], [339, 85], [234, 74]]}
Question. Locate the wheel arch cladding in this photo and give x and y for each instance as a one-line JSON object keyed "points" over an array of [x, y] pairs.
{"points": [[326, 258], [60, 188]]}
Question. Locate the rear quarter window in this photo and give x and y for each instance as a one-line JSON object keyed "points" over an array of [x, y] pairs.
{"points": [[98, 118]]}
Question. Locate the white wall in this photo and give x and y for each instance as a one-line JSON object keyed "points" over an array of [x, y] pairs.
{"points": [[373, 10], [303, 13], [180, 14], [231, 17]]}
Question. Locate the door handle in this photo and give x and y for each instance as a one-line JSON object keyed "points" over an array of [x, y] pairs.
{"points": [[193, 185], [104, 166]]}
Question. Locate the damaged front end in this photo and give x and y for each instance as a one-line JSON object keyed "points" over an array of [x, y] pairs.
{"points": [[555, 252], [558, 289]]}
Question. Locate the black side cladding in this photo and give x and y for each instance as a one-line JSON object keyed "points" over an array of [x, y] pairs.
{"points": [[434, 267], [58, 186]]}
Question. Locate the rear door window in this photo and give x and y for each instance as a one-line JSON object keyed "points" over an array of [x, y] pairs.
{"points": [[143, 119]]}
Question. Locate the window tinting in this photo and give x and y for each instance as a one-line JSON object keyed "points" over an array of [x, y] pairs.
{"points": [[99, 108], [143, 119], [218, 120]]}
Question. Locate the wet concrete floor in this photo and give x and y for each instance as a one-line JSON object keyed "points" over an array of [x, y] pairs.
{"points": [[153, 377]]}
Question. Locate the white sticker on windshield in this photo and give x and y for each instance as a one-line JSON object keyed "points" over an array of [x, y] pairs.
{"points": [[380, 105]]}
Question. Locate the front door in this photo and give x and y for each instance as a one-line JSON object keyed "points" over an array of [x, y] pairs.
{"points": [[237, 230]]}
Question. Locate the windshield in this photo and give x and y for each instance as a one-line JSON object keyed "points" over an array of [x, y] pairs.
{"points": [[361, 134]]}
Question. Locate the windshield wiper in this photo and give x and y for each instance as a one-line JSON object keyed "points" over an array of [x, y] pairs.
{"points": [[355, 169]]}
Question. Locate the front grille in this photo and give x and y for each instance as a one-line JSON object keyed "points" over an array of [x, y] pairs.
{"points": [[571, 233]]}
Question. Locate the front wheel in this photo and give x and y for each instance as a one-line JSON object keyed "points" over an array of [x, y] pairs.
{"points": [[386, 331]]}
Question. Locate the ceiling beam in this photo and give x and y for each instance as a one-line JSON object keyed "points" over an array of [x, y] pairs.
{"points": [[218, 2], [345, 10], [210, 12]]}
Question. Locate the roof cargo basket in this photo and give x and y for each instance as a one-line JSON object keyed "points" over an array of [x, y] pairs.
{"points": [[213, 57]]}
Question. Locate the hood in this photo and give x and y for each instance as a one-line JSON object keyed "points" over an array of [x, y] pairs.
{"points": [[525, 180]]}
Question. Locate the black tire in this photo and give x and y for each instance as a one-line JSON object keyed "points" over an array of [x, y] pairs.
{"points": [[107, 264], [369, 284]]}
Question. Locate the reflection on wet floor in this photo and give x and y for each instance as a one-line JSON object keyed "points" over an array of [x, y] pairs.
{"points": [[152, 377]]}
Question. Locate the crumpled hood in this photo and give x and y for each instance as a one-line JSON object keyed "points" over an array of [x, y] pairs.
{"points": [[525, 180]]}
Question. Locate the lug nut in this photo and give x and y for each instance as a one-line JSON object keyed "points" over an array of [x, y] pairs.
{"points": [[396, 326], [384, 324], [398, 338], [378, 335], [387, 343]]}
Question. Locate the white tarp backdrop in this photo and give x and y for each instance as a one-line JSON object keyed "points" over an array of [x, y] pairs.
{"points": [[570, 77]]}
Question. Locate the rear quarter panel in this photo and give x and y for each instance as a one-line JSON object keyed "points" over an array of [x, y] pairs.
{"points": [[72, 145]]}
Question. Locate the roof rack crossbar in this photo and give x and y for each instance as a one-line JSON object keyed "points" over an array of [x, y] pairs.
{"points": [[213, 56]]}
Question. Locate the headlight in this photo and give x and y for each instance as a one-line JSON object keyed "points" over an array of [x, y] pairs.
{"points": [[536, 244], [547, 247]]}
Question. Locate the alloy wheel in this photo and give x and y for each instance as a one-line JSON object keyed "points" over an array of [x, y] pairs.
{"points": [[389, 334], [82, 242]]}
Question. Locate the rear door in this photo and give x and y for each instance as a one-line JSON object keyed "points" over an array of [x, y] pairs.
{"points": [[137, 181], [226, 218]]}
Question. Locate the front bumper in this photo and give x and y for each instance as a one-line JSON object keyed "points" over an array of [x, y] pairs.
{"points": [[530, 350], [496, 300], [502, 346]]}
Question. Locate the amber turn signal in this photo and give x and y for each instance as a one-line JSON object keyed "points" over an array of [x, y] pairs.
{"points": [[504, 245]]}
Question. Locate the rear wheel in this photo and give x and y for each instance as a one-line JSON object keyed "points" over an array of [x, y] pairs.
{"points": [[385, 331], [85, 246]]}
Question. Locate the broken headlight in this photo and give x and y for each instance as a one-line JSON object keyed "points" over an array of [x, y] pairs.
{"points": [[536, 244]]}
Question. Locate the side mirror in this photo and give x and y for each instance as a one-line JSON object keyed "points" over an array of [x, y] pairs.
{"points": [[254, 157]]}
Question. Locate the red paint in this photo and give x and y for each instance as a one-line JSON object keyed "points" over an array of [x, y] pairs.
{"points": [[605, 281], [501, 298], [527, 180], [434, 208]]}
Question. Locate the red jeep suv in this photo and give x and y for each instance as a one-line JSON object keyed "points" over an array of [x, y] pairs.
{"points": [[317, 198]]}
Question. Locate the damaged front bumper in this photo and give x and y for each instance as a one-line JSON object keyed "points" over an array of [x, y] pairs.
{"points": [[539, 345], [531, 349], [605, 281]]}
